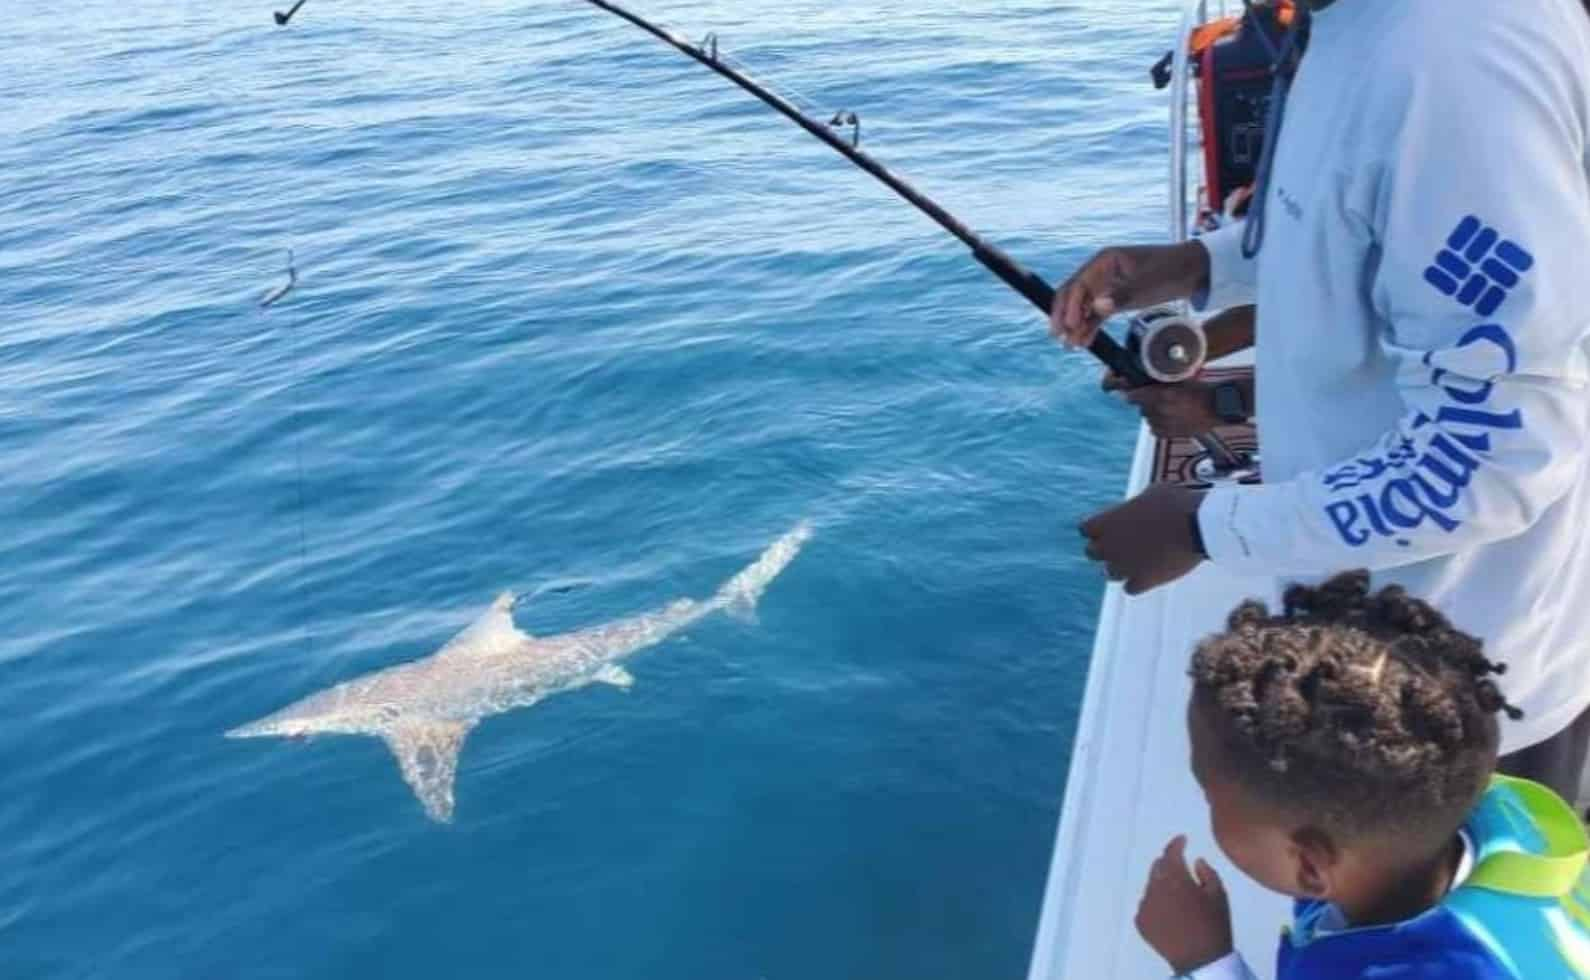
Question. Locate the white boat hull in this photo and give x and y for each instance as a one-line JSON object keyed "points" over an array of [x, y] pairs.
{"points": [[1130, 789]]}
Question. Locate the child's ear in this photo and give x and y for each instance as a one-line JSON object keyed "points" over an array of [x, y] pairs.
{"points": [[1314, 861]]}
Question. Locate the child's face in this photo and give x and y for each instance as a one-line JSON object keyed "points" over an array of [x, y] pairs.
{"points": [[1262, 843]]}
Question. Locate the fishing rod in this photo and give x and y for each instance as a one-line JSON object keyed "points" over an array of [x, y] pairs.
{"points": [[282, 19], [1168, 348], [1013, 273], [1161, 348]]}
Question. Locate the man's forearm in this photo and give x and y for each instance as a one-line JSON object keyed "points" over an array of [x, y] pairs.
{"points": [[1230, 331]]}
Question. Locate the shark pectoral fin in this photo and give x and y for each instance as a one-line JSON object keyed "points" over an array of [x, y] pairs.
{"points": [[493, 632], [615, 675], [427, 753]]}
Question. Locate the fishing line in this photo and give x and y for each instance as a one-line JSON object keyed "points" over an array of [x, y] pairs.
{"points": [[295, 377], [808, 105], [295, 371]]}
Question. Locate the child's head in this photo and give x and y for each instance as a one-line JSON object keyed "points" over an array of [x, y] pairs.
{"points": [[1350, 734]]}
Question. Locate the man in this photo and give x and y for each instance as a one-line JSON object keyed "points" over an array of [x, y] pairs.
{"points": [[1423, 310]]}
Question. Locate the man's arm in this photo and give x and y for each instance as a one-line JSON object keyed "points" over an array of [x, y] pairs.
{"points": [[1483, 225], [1230, 331], [1232, 276]]}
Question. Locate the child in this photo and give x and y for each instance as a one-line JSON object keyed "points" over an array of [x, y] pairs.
{"points": [[1346, 749]]}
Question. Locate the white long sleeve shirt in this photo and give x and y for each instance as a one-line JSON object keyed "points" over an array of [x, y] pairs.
{"points": [[1423, 385]]}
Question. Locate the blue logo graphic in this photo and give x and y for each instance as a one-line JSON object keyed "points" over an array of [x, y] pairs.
{"points": [[1422, 478], [1478, 266], [1365, 469]]}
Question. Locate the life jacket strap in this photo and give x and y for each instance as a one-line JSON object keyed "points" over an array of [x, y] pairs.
{"points": [[1552, 874]]}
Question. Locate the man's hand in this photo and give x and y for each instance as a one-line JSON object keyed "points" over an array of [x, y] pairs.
{"points": [[1177, 411], [1147, 541], [1185, 916], [1125, 278]]}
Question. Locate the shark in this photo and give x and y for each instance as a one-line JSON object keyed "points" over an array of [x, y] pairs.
{"points": [[424, 709]]}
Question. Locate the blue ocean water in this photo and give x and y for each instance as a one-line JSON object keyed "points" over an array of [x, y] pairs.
{"points": [[574, 317]]}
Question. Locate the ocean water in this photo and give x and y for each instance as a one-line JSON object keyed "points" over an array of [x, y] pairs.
{"points": [[577, 318]]}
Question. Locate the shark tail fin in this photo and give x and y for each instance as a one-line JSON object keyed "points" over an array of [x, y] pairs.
{"points": [[740, 594]]}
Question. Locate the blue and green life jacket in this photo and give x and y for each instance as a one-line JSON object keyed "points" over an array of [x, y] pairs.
{"points": [[1522, 914]]}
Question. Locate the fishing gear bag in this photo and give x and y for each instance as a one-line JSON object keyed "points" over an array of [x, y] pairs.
{"points": [[1233, 61]]}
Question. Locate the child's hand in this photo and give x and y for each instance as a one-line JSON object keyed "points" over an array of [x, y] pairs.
{"points": [[1186, 919]]}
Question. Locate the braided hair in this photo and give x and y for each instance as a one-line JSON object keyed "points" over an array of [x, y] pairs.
{"points": [[1365, 713]]}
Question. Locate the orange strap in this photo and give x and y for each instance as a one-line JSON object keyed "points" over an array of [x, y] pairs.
{"points": [[1205, 36]]}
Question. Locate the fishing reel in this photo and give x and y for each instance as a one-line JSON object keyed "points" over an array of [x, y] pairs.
{"points": [[1169, 346]]}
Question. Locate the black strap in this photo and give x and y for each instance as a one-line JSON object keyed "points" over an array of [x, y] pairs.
{"points": [[1285, 68]]}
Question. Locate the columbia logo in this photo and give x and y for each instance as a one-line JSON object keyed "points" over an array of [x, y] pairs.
{"points": [[1478, 266]]}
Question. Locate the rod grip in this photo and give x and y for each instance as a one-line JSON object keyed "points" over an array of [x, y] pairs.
{"points": [[1041, 294]]}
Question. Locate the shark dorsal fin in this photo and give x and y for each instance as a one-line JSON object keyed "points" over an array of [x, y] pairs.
{"points": [[494, 632], [427, 753]]}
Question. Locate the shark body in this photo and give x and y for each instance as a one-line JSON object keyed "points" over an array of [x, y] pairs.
{"points": [[424, 709]]}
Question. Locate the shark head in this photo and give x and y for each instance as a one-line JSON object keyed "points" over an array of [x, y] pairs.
{"points": [[270, 727], [329, 712], [378, 703], [426, 748], [397, 705]]}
